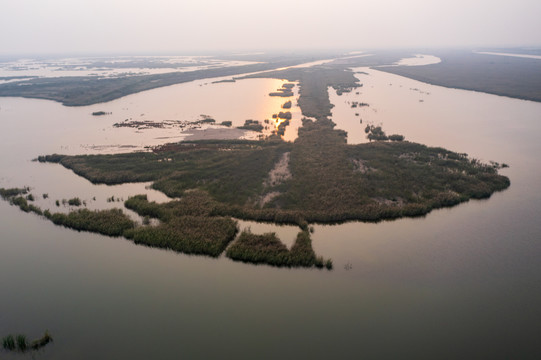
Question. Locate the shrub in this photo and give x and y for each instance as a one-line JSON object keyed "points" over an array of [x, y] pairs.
{"points": [[22, 344], [8, 343], [112, 222], [268, 249], [74, 201], [9, 193]]}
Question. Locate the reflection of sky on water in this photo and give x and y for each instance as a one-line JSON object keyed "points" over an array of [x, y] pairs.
{"points": [[36, 127]]}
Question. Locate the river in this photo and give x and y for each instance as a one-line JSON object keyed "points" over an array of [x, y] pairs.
{"points": [[463, 282]]}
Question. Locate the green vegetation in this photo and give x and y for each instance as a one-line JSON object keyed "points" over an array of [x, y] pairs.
{"points": [[376, 133], [318, 178], [8, 343], [253, 125], [231, 171], [112, 222], [188, 234], [268, 249], [205, 120], [314, 82], [396, 137], [188, 225], [330, 181], [42, 341], [281, 93], [9, 193], [74, 201], [282, 127], [100, 113], [284, 115], [284, 91], [355, 104], [224, 81], [328, 264], [23, 204], [501, 75], [88, 90], [20, 343]]}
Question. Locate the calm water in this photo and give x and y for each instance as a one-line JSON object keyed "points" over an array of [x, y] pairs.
{"points": [[460, 283], [419, 59], [110, 66]]}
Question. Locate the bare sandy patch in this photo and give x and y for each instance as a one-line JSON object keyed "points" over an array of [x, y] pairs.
{"points": [[280, 172], [277, 176], [217, 134]]}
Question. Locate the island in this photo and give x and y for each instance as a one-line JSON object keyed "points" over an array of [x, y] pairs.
{"points": [[101, 113], [317, 179]]}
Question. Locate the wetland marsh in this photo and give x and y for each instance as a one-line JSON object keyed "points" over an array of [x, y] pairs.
{"points": [[445, 278]]}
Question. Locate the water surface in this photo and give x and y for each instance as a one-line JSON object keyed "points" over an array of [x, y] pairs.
{"points": [[419, 59], [459, 283]]}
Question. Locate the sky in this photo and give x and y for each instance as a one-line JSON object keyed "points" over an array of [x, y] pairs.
{"points": [[189, 26]]}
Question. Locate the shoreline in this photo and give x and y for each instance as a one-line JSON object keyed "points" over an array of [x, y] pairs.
{"points": [[513, 77], [68, 90]]}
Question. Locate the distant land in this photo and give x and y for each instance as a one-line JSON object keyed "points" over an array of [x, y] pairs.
{"points": [[494, 74], [89, 90], [462, 69]]}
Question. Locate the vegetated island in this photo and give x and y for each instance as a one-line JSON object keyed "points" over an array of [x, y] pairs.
{"points": [[285, 91], [19, 343], [101, 113], [318, 178], [252, 125]]}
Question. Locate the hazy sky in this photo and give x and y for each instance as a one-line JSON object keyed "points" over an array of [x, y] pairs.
{"points": [[56, 26]]}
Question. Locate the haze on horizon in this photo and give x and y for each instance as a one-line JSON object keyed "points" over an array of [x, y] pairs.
{"points": [[189, 26]]}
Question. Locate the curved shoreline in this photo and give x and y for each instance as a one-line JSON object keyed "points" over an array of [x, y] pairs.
{"points": [[514, 77]]}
